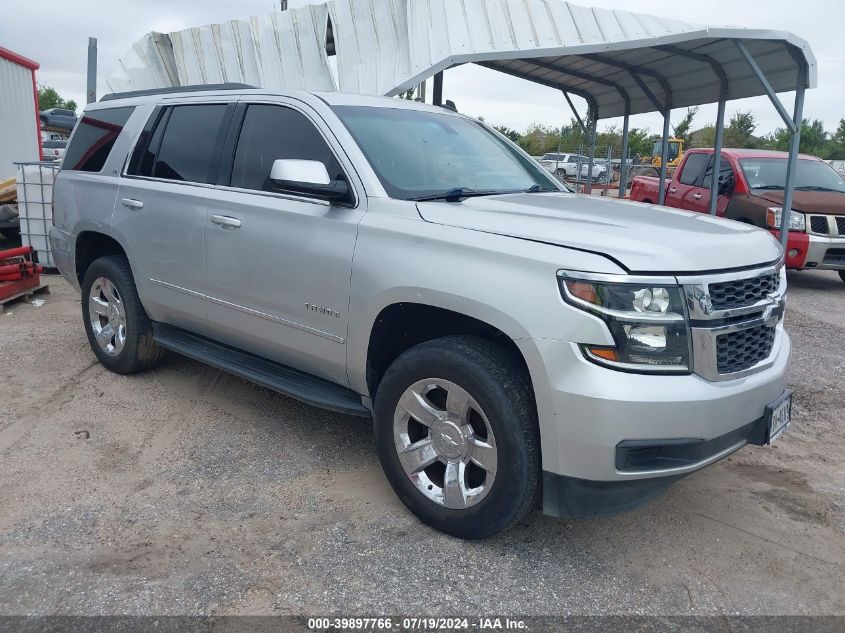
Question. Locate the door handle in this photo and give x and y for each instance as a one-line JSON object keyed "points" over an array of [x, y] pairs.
{"points": [[696, 196], [131, 203], [226, 222], [673, 189]]}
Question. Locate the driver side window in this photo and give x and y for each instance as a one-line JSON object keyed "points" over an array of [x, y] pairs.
{"points": [[271, 132]]}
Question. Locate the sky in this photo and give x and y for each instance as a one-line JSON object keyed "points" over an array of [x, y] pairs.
{"points": [[56, 36]]}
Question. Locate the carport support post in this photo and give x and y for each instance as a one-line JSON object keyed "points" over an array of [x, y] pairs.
{"points": [[437, 96], [91, 88], [792, 163], [623, 165], [664, 155], [593, 130], [717, 156]]}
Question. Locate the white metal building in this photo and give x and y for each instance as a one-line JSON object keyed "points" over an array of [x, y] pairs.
{"points": [[20, 136]]}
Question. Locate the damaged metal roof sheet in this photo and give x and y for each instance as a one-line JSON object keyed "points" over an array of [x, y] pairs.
{"points": [[615, 59]]}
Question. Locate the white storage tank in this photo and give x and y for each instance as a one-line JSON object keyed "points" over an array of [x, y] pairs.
{"points": [[20, 136]]}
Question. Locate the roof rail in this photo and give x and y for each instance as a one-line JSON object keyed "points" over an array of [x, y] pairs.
{"points": [[176, 89]]}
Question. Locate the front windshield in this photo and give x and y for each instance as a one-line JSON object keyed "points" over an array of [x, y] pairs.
{"points": [[811, 175], [419, 154]]}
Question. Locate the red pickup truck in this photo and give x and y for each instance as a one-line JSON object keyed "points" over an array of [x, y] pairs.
{"points": [[751, 190]]}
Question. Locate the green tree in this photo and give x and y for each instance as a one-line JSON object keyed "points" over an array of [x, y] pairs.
{"points": [[837, 143], [814, 139], [684, 127], [740, 130], [49, 98], [640, 141], [506, 131]]}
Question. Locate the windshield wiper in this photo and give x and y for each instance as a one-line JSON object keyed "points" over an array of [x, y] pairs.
{"points": [[537, 188], [454, 195], [817, 188], [768, 187]]}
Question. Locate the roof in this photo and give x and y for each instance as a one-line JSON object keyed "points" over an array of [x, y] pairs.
{"points": [[751, 153], [20, 60], [617, 60]]}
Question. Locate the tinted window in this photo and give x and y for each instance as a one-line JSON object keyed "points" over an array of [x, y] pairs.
{"points": [[725, 172], [272, 132], [94, 138], [693, 169], [187, 150]]}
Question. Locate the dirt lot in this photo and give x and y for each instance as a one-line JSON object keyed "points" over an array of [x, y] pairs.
{"points": [[188, 491]]}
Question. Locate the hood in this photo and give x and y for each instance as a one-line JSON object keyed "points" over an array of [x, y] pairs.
{"points": [[823, 202], [643, 238]]}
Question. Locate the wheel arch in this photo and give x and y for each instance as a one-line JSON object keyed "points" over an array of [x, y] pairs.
{"points": [[402, 324], [91, 245]]}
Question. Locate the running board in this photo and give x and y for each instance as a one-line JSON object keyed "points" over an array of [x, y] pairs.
{"points": [[267, 373]]}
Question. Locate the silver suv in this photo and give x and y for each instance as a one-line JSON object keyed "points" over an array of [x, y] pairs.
{"points": [[511, 341]]}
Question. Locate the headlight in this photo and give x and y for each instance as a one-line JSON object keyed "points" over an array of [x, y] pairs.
{"points": [[796, 220], [647, 322]]}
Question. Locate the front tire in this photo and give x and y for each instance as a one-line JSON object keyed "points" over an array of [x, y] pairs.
{"points": [[457, 435], [842, 275], [119, 331]]}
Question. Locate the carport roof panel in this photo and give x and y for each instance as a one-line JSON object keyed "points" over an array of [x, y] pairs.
{"points": [[562, 45]]}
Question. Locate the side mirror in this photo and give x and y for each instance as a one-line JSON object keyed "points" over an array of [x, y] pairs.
{"points": [[726, 185], [309, 177]]}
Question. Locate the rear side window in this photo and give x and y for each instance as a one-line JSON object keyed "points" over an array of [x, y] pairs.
{"points": [[693, 171], [270, 132], [184, 144], [94, 138]]}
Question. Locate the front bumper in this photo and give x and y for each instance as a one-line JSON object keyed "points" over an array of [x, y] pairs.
{"points": [[589, 411], [827, 253], [808, 250]]}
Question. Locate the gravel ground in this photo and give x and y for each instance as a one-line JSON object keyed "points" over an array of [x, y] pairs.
{"points": [[188, 491]]}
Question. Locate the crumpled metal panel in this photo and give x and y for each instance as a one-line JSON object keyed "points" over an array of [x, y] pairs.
{"points": [[372, 44], [276, 51], [385, 47]]}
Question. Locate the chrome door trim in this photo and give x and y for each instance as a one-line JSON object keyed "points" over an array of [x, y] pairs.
{"points": [[276, 319], [250, 311], [188, 291]]}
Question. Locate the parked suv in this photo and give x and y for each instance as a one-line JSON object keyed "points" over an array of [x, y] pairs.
{"points": [[384, 258]]}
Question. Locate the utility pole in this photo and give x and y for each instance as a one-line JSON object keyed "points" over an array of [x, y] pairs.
{"points": [[91, 92]]}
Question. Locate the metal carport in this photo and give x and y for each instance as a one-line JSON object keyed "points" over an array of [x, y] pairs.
{"points": [[620, 62], [623, 63]]}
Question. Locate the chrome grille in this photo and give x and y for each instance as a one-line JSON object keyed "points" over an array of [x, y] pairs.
{"points": [[735, 321], [738, 293], [743, 349], [818, 224], [840, 224]]}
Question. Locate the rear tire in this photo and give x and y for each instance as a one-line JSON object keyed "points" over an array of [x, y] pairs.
{"points": [[119, 331], [470, 452]]}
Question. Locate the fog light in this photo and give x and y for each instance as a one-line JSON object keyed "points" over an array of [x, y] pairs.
{"points": [[792, 252]]}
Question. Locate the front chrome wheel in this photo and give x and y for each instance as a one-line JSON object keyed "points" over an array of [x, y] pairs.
{"points": [[107, 315], [445, 443]]}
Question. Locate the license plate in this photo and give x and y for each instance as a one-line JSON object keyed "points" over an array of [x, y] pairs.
{"points": [[779, 414]]}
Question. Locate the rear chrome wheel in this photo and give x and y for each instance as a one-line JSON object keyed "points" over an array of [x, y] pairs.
{"points": [[107, 315], [118, 329], [445, 443]]}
